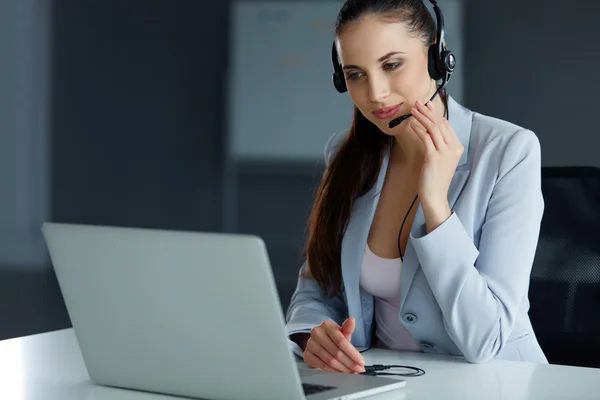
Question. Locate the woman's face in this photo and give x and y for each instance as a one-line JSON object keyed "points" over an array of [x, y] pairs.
{"points": [[385, 69]]}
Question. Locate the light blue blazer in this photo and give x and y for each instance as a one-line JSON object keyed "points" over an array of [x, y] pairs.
{"points": [[464, 286]]}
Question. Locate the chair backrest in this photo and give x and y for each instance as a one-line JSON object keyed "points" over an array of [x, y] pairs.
{"points": [[565, 280]]}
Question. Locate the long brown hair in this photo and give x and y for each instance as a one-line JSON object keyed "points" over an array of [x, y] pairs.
{"points": [[354, 169]]}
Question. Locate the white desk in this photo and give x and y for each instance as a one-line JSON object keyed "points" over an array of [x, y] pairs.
{"points": [[49, 366]]}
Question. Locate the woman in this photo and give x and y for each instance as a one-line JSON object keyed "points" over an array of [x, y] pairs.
{"points": [[422, 235]]}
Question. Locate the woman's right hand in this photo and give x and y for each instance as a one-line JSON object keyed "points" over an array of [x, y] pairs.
{"points": [[329, 348]]}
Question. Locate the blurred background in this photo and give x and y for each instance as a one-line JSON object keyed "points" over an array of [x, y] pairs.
{"points": [[213, 116]]}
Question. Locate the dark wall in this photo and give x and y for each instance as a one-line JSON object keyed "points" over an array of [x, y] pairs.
{"points": [[138, 113], [533, 63]]}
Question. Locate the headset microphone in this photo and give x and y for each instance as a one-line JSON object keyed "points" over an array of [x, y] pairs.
{"points": [[397, 121], [441, 64]]}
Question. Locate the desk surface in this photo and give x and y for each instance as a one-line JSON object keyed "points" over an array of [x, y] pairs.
{"points": [[49, 366]]}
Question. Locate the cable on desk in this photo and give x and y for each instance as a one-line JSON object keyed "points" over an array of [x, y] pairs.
{"points": [[376, 370]]}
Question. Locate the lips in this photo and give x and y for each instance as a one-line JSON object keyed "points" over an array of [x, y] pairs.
{"points": [[386, 112]]}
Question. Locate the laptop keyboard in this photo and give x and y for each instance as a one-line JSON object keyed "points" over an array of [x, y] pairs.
{"points": [[312, 389]]}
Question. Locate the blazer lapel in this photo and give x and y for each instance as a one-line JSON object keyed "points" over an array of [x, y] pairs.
{"points": [[461, 120], [410, 265]]}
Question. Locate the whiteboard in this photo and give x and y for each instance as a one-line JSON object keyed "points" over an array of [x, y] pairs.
{"points": [[282, 105]]}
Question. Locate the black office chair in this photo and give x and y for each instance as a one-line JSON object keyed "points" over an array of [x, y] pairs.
{"points": [[565, 281]]}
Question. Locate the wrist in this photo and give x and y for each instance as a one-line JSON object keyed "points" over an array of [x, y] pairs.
{"points": [[436, 213]]}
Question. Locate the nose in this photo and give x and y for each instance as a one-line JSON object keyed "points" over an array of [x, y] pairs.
{"points": [[379, 87]]}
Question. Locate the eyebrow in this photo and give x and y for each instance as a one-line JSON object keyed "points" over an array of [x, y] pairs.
{"points": [[382, 59]]}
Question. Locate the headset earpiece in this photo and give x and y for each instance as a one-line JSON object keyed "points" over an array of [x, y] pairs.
{"points": [[435, 71], [339, 81], [441, 62], [449, 62], [441, 66]]}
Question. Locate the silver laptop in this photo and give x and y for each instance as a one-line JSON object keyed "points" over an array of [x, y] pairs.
{"points": [[188, 314]]}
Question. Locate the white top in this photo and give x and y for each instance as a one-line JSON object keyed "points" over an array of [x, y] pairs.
{"points": [[49, 366], [380, 277]]}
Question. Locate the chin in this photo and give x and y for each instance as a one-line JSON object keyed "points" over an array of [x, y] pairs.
{"points": [[395, 131]]}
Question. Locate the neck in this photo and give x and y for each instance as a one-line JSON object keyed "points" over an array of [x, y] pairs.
{"points": [[408, 148]]}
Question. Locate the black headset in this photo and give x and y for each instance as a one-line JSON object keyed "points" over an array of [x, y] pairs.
{"points": [[441, 61]]}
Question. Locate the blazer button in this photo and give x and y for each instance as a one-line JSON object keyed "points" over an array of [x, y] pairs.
{"points": [[409, 318]]}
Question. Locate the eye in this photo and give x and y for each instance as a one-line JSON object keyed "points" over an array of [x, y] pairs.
{"points": [[392, 66], [353, 76]]}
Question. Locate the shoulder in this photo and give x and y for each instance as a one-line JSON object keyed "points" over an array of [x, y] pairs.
{"points": [[495, 130], [333, 145], [502, 144]]}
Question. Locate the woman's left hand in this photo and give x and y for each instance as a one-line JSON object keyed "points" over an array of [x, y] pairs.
{"points": [[442, 153]]}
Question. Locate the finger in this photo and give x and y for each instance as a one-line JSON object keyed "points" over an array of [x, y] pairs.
{"points": [[422, 118], [449, 134], [431, 128], [429, 105], [348, 327], [346, 345], [444, 133], [329, 359], [322, 359], [435, 129], [336, 344], [429, 125], [354, 355], [343, 351], [424, 135], [427, 111], [315, 362], [332, 332], [438, 121]]}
